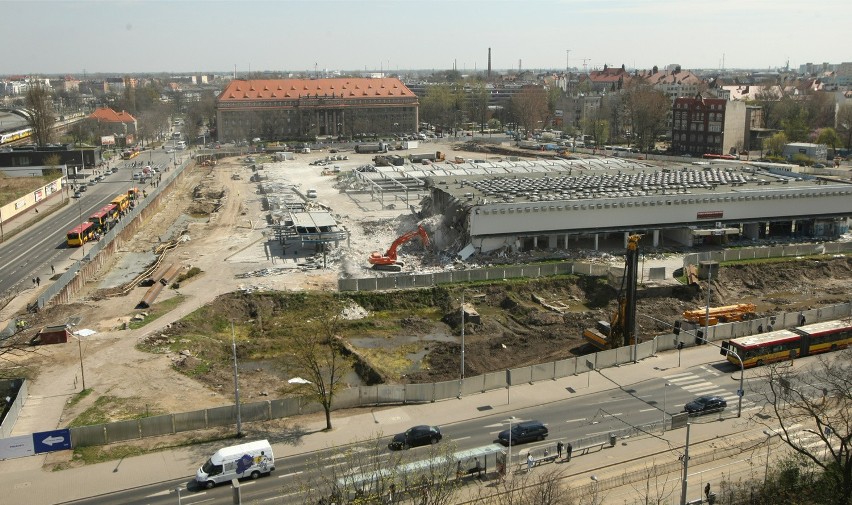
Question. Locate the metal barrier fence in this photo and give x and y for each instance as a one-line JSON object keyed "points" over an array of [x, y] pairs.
{"points": [[751, 253], [14, 410], [408, 281], [384, 394], [81, 271]]}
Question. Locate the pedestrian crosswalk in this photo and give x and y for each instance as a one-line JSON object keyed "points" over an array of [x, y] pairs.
{"points": [[700, 386], [805, 438]]}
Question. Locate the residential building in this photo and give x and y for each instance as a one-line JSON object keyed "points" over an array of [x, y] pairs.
{"points": [[708, 126], [306, 108], [105, 121]]}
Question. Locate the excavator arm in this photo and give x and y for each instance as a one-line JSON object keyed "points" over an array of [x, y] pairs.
{"points": [[388, 260]]}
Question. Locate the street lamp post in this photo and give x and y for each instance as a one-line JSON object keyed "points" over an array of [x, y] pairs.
{"points": [[462, 335], [509, 455], [178, 493], [684, 483], [236, 382], [665, 394], [769, 435]]}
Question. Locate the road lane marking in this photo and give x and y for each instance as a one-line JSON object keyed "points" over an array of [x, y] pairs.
{"points": [[289, 474], [647, 410], [460, 438], [669, 377], [576, 420]]}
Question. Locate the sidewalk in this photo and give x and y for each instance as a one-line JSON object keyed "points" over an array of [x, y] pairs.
{"points": [[24, 483]]}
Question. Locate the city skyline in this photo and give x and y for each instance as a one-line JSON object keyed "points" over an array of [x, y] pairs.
{"points": [[153, 36]]}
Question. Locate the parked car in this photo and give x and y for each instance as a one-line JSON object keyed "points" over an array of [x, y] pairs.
{"points": [[705, 405], [416, 436], [523, 432], [78, 194]]}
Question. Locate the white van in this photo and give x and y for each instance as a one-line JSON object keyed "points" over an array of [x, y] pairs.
{"points": [[236, 462]]}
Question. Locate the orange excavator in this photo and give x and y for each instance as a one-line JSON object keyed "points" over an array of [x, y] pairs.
{"points": [[388, 261]]}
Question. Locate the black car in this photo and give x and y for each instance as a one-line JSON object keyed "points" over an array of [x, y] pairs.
{"points": [[705, 405], [527, 431], [416, 436]]}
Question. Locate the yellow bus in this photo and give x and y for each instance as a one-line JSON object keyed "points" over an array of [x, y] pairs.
{"points": [[121, 202]]}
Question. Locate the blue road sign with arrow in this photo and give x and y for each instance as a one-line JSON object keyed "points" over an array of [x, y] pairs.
{"points": [[51, 441]]}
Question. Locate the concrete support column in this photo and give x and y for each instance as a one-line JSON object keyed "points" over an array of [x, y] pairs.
{"points": [[656, 235], [751, 230], [535, 242], [552, 241], [596, 241], [626, 239]]}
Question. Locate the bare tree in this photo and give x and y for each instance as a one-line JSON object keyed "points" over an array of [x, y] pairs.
{"points": [[530, 106], [322, 359], [42, 117], [657, 487], [647, 109], [816, 403], [544, 487]]}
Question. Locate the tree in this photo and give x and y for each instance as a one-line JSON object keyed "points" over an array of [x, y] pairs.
{"points": [[818, 400], [436, 107], [829, 137], [42, 117], [647, 109], [530, 107], [321, 359], [657, 487], [478, 104], [844, 124], [774, 145]]}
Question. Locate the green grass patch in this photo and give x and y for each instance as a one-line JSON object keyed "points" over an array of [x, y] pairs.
{"points": [[111, 408], [79, 396], [158, 310]]}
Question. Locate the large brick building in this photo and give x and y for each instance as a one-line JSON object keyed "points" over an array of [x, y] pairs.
{"points": [[275, 109]]}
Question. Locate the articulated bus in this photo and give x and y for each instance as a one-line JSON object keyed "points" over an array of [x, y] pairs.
{"points": [[129, 154], [781, 345], [134, 193], [103, 217], [122, 201], [81, 234]]}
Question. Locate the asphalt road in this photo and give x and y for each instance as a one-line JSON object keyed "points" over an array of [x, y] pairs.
{"points": [[570, 419], [34, 250]]}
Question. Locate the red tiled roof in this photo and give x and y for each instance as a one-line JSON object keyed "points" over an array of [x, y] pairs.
{"points": [[608, 75], [111, 116], [291, 89]]}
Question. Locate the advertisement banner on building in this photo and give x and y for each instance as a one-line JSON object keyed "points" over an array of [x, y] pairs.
{"points": [[108, 140]]}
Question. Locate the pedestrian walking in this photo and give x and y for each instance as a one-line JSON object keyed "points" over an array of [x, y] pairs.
{"points": [[38, 281], [559, 447], [33, 281], [530, 462], [52, 269], [568, 449]]}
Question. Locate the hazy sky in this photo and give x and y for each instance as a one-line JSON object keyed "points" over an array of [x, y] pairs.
{"points": [[186, 36]]}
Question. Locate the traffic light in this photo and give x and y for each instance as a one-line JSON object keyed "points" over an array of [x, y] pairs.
{"points": [[724, 348], [699, 337], [680, 346], [676, 328]]}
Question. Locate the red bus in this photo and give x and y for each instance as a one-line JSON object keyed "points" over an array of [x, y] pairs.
{"points": [[782, 345], [81, 234], [103, 217]]}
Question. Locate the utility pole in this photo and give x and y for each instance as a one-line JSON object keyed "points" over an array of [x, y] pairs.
{"points": [[685, 468], [236, 382], [567, 60]]}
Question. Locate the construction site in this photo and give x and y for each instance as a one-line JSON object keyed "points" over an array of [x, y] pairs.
{"points": [[266, 233]]}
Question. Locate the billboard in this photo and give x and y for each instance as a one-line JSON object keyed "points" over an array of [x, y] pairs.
{"points": [[108, 140]]}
